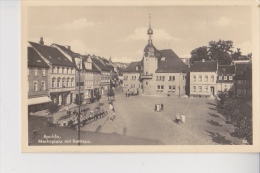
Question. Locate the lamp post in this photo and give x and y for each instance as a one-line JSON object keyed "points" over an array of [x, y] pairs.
{"points": [[79, 63]]}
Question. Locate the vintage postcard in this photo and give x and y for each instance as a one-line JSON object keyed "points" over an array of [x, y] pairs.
{"points": [[140, 77]]}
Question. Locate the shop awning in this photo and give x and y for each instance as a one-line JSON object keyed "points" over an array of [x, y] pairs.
{"points": [[38, 100]]}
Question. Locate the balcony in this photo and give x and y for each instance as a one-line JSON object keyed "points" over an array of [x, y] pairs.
{"points": [[62, 89], [146, 76]]}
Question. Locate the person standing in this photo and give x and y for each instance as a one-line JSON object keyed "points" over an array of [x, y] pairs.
{"points": [[177, 118], [67, 109], [183, 118]]}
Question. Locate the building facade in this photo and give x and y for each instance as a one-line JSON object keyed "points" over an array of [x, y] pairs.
{"points": [[162, 71], [37, 82], [131, 77], [61, 73], [203, 77], [225, 78]]}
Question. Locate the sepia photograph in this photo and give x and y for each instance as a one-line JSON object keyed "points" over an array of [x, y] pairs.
{"points": [[146, 76]]}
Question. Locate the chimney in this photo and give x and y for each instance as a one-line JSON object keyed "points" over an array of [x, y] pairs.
{"points": [[41, 41], [203, 60], [68, 47]]}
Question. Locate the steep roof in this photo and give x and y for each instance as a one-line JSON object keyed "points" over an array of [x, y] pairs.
{"points": [[34, 59], [132, 67], [66, 50], [100, 64], [240, 68], [207, 66], [226, 69], [169, 62], [94, 68], [52, 54]]}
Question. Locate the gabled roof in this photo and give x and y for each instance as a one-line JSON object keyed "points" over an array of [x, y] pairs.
{"points": [[94, 68], [226, 69], [52, 54], [132, 67], [240, 68], [100, 65], [169, 62], [66, 50], [207, 66], [34, 59]]}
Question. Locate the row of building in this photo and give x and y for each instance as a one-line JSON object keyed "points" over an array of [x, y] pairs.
{"points": [[162, 72], [57, 74]]}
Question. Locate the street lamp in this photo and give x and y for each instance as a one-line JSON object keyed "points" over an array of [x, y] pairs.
{"points": [[79, 65]]}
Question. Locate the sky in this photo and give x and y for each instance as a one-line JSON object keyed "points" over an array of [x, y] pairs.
{"points": [[121, 32]]}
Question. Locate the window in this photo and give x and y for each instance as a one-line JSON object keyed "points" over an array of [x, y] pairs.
{"points": [[220, 78], [72, 72], [36, 72], [63, 83], [194, 78], [53, 83], [58, 83], [53, 69], [43, 86], [172, 88], [72, 80], [212, 78], [68, 82], [58, 69], [35, 86], [194, 88], [200, 88], [230, 77], [200, 78], [206, 78], [146, 83], [171, 78], [136, 68], [43, 72], [160, 87], [63, 71], [206, 88], [68, 70], [225, 77]]}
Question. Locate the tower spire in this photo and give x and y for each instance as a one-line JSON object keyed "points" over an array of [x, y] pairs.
{"points": [[150, 31]]}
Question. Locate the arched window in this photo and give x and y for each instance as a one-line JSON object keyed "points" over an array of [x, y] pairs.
{"points": [[58, 83], [72, 82], [68, 82], [63, 82], [53, 82]]}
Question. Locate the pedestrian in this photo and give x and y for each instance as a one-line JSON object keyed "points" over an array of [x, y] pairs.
{"points": [[162, 107], [113, 116], [183, 118], [34, 133], [177, 118]]}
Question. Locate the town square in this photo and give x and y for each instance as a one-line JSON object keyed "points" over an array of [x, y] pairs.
{"points": [[157, 98]]}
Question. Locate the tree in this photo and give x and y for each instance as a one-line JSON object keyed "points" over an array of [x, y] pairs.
{"points": [[221, 51], [244, 130], [110, 93], [229, 106], [236, 55], [198, 54], [52, 108]]}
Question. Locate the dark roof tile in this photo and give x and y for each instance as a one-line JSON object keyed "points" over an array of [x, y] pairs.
{"points": [[207, 66], [52, 54], [34, 59]]}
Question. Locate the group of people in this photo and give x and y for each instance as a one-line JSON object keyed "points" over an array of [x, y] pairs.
{"points": [[111, 118], [158, 107]]}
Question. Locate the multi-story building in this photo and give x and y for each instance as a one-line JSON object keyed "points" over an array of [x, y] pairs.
{"points": [[131, 77], [105, 74], [163, 72], [61, 73], [225, 78], [37, 81], [203, 77], [243, 80], [92, 78]]}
